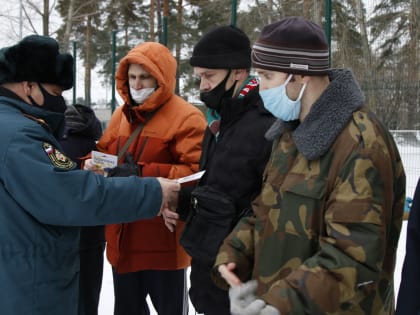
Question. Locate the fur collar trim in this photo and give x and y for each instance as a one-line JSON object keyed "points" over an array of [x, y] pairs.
{"points": [[327, 117]]}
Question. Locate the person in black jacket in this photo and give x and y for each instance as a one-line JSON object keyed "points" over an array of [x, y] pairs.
{"points": [[408, 301], [234, 151], [82, 130]]}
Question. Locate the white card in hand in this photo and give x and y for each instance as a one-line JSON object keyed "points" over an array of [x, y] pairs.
{"points": [[191, 178], [103, 160]]}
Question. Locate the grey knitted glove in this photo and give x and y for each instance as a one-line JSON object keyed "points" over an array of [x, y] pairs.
{"points": [[269, 310], [243, 300]]}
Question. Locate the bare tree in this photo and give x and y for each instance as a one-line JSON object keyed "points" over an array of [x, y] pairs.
{"points": [[152, 19], [367, 55], [88, 61], [179, 19], [68, 26], [44, 12], [394, 28], [414, 68]]}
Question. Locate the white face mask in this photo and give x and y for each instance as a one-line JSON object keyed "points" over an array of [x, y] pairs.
{"points": [[139, 96], [279, 104]]}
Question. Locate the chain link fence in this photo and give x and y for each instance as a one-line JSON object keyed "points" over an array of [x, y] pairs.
{"points": [[377, 39], [408, 142]]}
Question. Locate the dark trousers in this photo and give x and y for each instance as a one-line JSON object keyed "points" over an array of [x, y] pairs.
{"points": [[167, 290], [91, 269], [206, 297]]}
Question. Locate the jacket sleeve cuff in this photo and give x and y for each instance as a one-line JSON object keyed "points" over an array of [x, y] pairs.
{"points": [[184, 202]]}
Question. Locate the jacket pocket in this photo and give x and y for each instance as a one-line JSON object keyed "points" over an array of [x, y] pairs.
{"points": [[302, 206]]}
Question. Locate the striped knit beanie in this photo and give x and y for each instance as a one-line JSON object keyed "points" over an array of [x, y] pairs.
{"points": [[292, 45]]}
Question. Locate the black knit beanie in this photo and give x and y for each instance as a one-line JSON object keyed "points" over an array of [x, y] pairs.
{"points": [[292, 45], [223, 47], [36, 58]]}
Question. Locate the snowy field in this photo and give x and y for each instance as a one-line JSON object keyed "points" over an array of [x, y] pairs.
{"points": [[411, 160], [106, 303]]}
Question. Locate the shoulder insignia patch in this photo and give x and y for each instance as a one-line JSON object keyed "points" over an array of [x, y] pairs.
{"points": [[57, 158]]}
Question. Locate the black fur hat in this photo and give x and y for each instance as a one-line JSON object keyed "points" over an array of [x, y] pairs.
{"points": [[36, 58]]}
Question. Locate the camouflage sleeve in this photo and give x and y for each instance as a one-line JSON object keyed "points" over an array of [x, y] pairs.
{"points": [[357, 248], [238, 247]]}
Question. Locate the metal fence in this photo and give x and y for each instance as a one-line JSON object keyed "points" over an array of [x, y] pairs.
{"points": [[408, 142], [378, 39]]}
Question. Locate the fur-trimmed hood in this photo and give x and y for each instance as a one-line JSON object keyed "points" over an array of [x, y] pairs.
{"points": [[327, 117]]}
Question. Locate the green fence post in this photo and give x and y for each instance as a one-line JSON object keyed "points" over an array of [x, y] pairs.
{"points": [[164, 39], [165, 31], [114, 45], [233, 13], [327, 26], [74, 72]]}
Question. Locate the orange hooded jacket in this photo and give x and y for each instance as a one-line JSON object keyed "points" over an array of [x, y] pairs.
{"points": [[168, 146]]}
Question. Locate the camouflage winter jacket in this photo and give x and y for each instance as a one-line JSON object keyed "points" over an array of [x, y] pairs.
{"points": [[325, 232]]}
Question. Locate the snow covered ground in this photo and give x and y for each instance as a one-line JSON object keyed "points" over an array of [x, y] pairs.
{"points": [[410, 156], [106, 303]]}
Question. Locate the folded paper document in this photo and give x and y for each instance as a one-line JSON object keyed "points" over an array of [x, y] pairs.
{"points": [[191, 178]]}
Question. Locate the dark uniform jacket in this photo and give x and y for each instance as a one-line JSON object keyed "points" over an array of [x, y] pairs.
{"points": [[327, 221], [43, 201], [234, 165]]}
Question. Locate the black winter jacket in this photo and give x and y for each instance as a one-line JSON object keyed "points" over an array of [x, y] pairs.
{"points": [[82, 130], [235, 163]]}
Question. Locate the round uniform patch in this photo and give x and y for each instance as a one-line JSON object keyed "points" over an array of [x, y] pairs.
{"points": [[57, 158]]}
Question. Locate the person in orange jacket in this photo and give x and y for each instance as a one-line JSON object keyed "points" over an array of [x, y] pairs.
{"points": [[146, 257]]}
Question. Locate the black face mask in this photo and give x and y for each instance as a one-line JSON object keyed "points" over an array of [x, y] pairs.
{"points": [[53, 103], [213, 98]]}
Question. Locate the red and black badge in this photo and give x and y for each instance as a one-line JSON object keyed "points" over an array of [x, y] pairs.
{"points": [[57, 158]]}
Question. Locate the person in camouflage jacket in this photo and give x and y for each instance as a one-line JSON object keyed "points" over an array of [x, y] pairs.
{"points": [[324, 235]]}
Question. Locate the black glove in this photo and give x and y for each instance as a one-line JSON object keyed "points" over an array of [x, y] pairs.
{"points": [[128, 168], [184, 202]]}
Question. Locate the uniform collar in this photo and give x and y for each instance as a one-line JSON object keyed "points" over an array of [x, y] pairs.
{"points": [[52, 120]]}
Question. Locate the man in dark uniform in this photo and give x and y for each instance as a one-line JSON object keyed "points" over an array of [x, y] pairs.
{"points": [[44, 199]]}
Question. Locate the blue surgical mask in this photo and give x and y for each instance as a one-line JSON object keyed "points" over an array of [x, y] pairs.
{"points": [[279, 104]]}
